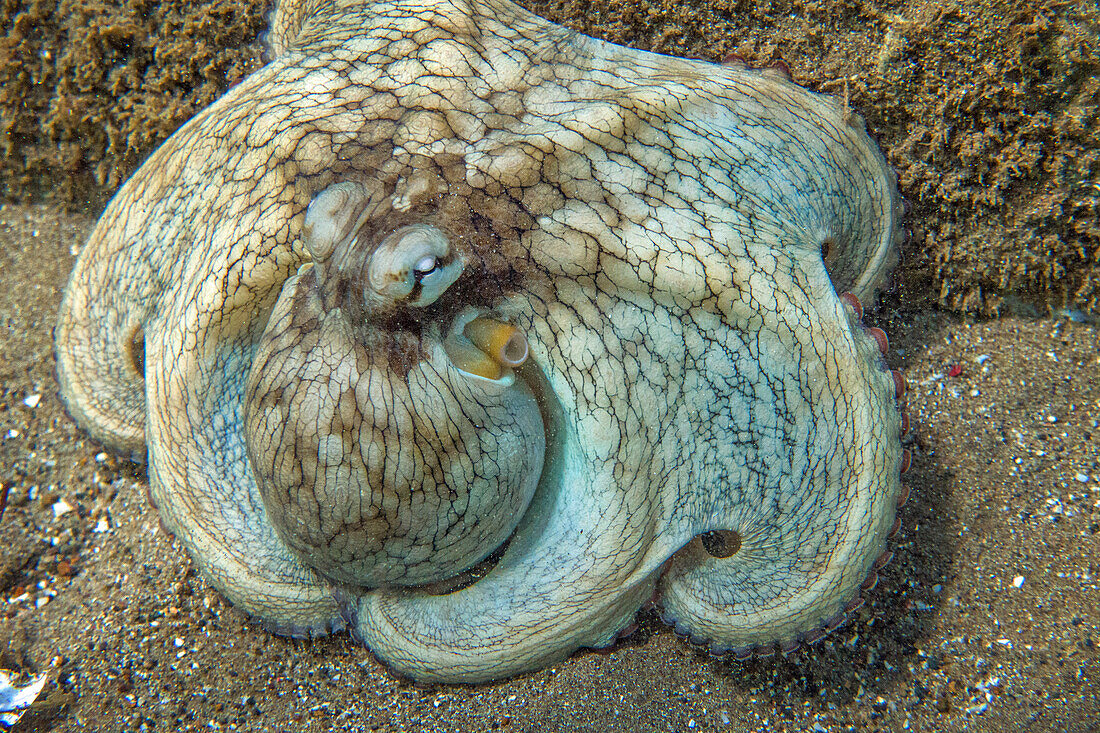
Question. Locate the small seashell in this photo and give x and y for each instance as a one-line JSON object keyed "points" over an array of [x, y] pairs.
{"points": [[14, 701]]}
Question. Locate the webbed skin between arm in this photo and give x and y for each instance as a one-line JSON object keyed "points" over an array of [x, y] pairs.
{"points": [[669, 237]]}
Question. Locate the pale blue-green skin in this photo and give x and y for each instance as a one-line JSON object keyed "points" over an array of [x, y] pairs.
{"points": [[694, 366]]}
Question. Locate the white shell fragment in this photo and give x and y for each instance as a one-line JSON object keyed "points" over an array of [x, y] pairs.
{"points": [[14, 701], [60, 508]]}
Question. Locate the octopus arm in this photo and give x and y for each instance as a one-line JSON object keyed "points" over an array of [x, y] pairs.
{"points": [[100, 335], [795, 520], [565, 582], [200, 347]]}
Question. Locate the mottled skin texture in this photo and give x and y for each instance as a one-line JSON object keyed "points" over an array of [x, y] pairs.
{"points": [[669, 235]]}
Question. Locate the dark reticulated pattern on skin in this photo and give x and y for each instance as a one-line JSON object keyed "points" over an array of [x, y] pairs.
{"points": [[814, 635], [668, 235]]}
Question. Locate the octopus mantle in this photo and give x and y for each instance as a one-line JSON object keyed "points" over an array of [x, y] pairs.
{"points": [[444, 282]]}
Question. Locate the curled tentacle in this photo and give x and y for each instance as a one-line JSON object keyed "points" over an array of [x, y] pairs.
{"points": [[782, 550], [563, 582]]}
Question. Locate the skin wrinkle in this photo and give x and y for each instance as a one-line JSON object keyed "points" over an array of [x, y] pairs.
{"points": [[653, 226]]}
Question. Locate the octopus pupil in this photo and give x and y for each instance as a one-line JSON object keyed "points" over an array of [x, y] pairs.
{"points": [[721, 543], [425, 266]]}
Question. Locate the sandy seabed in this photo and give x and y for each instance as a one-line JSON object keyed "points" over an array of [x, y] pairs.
{"points": [[986, 620]]}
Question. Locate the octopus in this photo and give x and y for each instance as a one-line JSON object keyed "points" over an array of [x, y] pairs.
{"points": [[472, 335]]}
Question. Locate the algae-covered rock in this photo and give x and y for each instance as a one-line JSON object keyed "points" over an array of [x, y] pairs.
{"points": [[989, 109], [88, 88]]}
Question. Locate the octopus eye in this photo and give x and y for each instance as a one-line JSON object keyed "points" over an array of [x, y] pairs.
{"points": [[425, 266], [332, 218], [413, 264]]}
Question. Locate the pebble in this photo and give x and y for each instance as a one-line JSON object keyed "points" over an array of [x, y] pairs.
{"points": [[61, 507], [32, 401], [1075, 315], [1018, 581], [977, 709]]}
